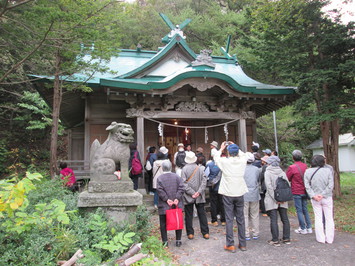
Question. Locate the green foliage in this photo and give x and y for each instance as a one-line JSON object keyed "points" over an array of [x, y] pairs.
{"points": [[152, 245], [141, 225], [120, 242], [37, 113]]}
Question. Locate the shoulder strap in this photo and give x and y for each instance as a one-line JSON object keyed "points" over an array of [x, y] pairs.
{"points": [[299, 170], [310, 181], [193, 173], [156, 171]]}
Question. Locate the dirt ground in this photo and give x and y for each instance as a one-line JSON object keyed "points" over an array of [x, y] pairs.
{"points": [[303, 250]]}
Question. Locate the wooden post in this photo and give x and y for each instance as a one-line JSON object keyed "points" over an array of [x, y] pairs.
{"points": [[242, 132], [87, 130], [140, 145]]}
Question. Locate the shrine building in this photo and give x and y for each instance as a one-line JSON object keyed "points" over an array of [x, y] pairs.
{"points": [[168, 96]]}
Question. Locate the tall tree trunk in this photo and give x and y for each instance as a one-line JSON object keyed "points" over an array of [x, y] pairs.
{"points": [[57, 99], [330, 137]]}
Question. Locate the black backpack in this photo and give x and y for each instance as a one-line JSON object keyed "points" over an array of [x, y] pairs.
{"points": [[180, 159], [282, 192]]}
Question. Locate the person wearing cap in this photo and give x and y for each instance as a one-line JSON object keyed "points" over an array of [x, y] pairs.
{"points": [[179, 159], [162, 156], [233, 187], [195, 181], [170, 189], [295, 174], [251, 199], [267, 152], [272, 173]]}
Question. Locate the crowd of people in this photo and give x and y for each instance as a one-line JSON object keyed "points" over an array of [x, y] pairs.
{"points": [[241, 186]]}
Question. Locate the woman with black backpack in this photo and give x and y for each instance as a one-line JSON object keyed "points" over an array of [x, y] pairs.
{"points": [[272, 206]]}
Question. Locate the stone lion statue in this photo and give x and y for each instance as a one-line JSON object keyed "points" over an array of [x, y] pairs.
{"points": [[115, 150]]}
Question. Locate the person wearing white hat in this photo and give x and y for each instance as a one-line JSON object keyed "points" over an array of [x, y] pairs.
{"points": [[195, 182], [162, 156], [179, 159]]}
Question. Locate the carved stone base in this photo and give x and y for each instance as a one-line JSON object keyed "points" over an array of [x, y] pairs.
{"points": [[118, 206], [117, 186], [87, 199]]}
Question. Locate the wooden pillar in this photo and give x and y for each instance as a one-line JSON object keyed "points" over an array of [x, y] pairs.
{"points": [[87, 130], [255, 136], [140, 146], [242, 134]]}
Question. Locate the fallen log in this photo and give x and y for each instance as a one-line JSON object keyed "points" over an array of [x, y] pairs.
{"points": [[134, 259], [78, 255], [134, 249]]}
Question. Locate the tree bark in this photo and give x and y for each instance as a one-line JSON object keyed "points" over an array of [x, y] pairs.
{"points": [[330, 137], [57, 99]]}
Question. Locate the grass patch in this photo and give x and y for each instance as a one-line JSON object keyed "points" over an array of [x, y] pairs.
{"points": [[344, 207]]}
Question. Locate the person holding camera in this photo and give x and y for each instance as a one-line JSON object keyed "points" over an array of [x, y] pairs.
{"points": [[233, 187]]}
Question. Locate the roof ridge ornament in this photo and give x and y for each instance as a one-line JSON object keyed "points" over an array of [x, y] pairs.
{"points": [[225, 51], [175, 29], [204, 59]]}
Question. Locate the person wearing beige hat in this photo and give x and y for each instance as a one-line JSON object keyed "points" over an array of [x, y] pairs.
{"points": [[214, 147], [195, 182], [179, 159]]}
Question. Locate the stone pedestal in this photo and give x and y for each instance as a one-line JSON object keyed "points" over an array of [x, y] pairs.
{"points": [[117, 198]]}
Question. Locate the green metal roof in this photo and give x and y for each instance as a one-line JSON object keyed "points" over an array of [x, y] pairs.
{"points": [[129, 64]]}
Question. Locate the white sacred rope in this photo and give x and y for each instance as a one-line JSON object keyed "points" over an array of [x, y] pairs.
{"points": [[211, 126]]}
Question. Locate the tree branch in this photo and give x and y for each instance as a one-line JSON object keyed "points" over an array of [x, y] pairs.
{"points": [[7, 8], [28, 55]]}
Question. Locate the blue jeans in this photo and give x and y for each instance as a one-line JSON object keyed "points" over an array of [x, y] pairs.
{"points": [[302, 211]]}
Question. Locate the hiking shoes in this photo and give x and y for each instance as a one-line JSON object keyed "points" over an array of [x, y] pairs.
{"points": [[286, 241], [178, 243], [247, 238], [190, 236], [274, 243], [223, 223], [215, 224], [230, 248], [301, 231], [309, 230], [242, 248], [206, 236], [255, 237]]}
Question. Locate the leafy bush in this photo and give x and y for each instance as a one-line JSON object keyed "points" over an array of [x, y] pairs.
{"points": [[41, 224]]}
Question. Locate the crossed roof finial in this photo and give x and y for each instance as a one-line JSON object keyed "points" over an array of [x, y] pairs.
{"points": [[174, 29]]}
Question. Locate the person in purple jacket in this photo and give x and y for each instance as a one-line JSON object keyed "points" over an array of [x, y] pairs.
{"points": [[295, 174], [170, 189]]}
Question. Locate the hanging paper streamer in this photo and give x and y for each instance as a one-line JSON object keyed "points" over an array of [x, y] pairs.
{"points": [[206, 135], [186, 133], [226, 131], [160, 129]]}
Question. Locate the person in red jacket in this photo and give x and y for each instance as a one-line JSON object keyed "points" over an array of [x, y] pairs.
{"points": [[295, 174], [68, 176]]}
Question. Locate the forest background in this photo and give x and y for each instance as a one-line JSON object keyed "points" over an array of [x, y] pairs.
{"points": [[292, 43]]}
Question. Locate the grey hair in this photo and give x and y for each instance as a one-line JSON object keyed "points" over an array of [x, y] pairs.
{"points": [[297, 155], [166, 166]]}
